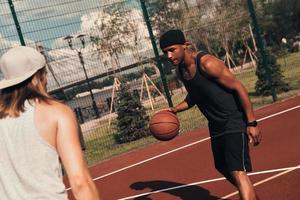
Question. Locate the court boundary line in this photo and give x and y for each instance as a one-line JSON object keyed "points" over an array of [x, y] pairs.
{"points": [[182, 147], [281, 170], [264, 180], [152, 158]]}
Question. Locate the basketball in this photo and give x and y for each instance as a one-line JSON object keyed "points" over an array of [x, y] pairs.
{"points": [[164, 125]]}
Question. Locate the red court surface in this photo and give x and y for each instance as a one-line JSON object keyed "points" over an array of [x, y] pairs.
{"points": [[183, 167]]}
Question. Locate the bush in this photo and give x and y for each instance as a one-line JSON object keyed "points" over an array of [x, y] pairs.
{"points": [[269, 77], [132, 120]]}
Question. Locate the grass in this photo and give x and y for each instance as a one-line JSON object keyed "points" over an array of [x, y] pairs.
{"points": [[100, 144], [103, 148]]}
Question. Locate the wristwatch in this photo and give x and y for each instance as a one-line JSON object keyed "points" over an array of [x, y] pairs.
{"points": [[253, 123]]}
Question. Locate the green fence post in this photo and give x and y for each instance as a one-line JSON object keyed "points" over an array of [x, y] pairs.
{"points": [[261, 46], [13, 12], [163, 77]]}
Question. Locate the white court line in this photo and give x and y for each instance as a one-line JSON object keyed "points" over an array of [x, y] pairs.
{"points": [[279, 113], [185, 146], [265, 180], [285, 170], [149, 159], [152, 158]]}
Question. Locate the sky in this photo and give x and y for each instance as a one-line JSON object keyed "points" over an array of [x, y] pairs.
{"points": [[48, 22], [44, 21]]}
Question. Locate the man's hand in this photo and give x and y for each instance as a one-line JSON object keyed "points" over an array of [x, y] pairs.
{"points": [[173, 110], [184, 105], [254, 135]]}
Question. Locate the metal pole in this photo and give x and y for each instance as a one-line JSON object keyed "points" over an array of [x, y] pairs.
{"points": [[13, 12], [261, 47], [89, 85], [42, 51], [159, 65]]}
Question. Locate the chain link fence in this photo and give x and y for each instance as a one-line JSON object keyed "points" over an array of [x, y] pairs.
{"points": [[90, 45]]}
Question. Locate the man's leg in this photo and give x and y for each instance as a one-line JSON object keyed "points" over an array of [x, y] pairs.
{"points": [[217, 145], [232, 160], [244, 185], [227, 175], [238, 163]]}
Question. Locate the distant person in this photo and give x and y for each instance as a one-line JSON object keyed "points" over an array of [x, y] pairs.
{"points": [[37, 131], [224, 101]]}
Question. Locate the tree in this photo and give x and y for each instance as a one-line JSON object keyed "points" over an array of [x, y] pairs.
{"points": [[227, 24], [132, 120], [269, 76], [165, 14], [115, 31], [279, 18], [215, 26], [108, 33]]}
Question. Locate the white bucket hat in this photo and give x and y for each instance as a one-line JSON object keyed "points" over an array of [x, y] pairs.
{"points": [[19, 64]]}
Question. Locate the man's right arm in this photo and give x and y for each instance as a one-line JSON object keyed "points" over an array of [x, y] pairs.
{"points": [[184, 105]]}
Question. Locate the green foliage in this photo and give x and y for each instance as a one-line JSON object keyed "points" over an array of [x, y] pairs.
{"points": [[109, 32], [132, 120], [107, 82], [71, 92], [149, 71], [165, 14], [131, 76], [136, 75], [269, 77], [280, 18]]}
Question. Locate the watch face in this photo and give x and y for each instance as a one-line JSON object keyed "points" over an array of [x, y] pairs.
{"points": [[254, 123]]}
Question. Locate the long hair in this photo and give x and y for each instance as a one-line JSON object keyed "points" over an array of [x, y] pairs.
{"points": [[12, 101]]}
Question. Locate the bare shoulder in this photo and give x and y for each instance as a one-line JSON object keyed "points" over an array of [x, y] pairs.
{"points": [[56, 109], [212, 65], [209, 61], [52, 116]]}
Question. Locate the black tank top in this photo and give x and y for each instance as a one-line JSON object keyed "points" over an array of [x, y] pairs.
{"points": [[219, 105]]}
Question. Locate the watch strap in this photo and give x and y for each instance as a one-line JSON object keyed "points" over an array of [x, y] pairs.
{"points": [[252, 123]]}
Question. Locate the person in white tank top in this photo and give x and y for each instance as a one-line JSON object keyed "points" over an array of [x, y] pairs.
{"points": [[36, 132]]}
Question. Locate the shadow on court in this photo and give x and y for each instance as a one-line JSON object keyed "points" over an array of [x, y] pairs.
{"points": [[186, 193]]}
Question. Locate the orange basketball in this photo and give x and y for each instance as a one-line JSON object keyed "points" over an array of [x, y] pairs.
{"points": [[164, 125]]}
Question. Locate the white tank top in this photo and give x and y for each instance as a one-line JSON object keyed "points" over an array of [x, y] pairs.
{"points": [[29, 166]]}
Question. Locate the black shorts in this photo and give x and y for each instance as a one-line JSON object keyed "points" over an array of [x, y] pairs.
{"points": [[231, 152]]}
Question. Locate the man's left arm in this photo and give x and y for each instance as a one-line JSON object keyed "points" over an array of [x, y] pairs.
{"points": [[216, 69]]}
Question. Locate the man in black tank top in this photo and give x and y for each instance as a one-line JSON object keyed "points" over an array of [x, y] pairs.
{"points": [[224, 101]]}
